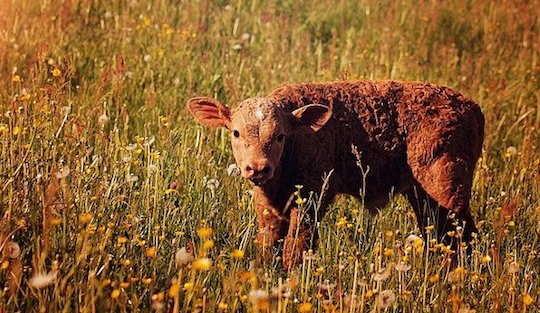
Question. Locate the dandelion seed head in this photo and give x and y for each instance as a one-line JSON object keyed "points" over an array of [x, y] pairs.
{"points": [[40, 281], [183, 257]]}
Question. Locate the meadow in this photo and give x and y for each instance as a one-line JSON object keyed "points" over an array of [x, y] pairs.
{"points": [[113, 199]]}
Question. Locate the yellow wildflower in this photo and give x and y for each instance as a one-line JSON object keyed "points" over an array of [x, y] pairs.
{"points": [[174, 290], [85, 218], [305, 307], [237, 254], [56, 72], [204, 232], [16, 78], [434, 278], [486, 259], [527, 299], [146, 281], [209, 244], [388, 252], [4, 265], [222, 306], [202, 264], [115, 293], [121, 240], [151, 252]]}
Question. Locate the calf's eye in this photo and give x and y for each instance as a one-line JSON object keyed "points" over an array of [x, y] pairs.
{"points": [[280, 137], [236, 133]]}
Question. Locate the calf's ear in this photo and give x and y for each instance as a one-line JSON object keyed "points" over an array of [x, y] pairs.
{"points": [[209, 112], [310, 118]]}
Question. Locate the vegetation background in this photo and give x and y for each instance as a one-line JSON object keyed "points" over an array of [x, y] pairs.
{"points": [[113, 199]]}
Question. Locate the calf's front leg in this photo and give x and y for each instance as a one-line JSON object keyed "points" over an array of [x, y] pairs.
{"points": [[298, 239]]}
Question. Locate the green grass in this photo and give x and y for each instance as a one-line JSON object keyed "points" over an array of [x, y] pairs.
{"points": [[104, 175]]}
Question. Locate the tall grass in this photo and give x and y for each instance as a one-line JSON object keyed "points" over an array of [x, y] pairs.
{"points": [[104, 177]]}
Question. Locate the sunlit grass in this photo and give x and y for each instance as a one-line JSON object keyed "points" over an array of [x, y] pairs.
{"points": [[113, 199]]}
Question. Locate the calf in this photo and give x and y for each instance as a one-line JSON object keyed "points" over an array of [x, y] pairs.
{"points": [[376, 138]]}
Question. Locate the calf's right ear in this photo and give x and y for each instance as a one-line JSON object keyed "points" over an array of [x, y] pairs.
{"points": [[209, 112]]}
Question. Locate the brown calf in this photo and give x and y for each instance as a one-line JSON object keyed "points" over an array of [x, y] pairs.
{"points": [[417, 139]]}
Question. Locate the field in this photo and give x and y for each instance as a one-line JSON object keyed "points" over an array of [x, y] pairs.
{"points": [[113, 199]]}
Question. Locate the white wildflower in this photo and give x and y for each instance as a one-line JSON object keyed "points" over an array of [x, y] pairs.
{"points": [[237, 47], [147, 58], [183, 257], [131, 147], [258, 297], [130, 178], [411, 239], [382, 274], [403, 267], [40, 281], [63, 172], [212, 184], [12, 250], [148, 141], [245, 36], [386, 298], [103, 119], [152, 168], [233, 170]]}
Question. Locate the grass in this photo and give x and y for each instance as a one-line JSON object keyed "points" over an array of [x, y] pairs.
{"points": [[104, 176]]}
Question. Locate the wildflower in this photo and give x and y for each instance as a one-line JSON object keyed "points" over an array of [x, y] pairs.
{"points": [[233, 170], [158, 297], [319, 271], [63, 172], [121, 240], [245, 36], [382, 274], [16, 78], [212, 184], [40, 281], [237, 254], [183, 257], [369, 294], [434, 278], [12, 250], [305, 307], [152, 168], [147, 58], [389, 233], [4, 265], [209, 244], [124, 284], [300, 200], [202, 264], [388, 252], [237, 47], [342, 222], [430, 228], [259, 299], [103, 119], [151, 252], [486, 259], [188, 286], [510, 152], [115, 293], [527, 299], [146, 281], [130, 178], [403, 267], [56, 72], [513, 267], [204, 232], [131, 147], [174, 289], [386, 298], [85, 218]]}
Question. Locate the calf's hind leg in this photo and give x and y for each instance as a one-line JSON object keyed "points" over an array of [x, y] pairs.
{"points": [[444, 184]]}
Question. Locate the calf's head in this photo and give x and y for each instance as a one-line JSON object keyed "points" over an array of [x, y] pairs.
{"points": [[259, 128]]}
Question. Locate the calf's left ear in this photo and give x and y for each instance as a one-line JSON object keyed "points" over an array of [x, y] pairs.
{"points": [[310, 118], [210, 112]]}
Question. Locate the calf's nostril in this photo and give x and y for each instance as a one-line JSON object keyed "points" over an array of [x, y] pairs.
{"points": [[266, 170]]}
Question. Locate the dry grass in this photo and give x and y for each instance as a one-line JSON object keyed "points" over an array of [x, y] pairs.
{"points": [[104, 176]]}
